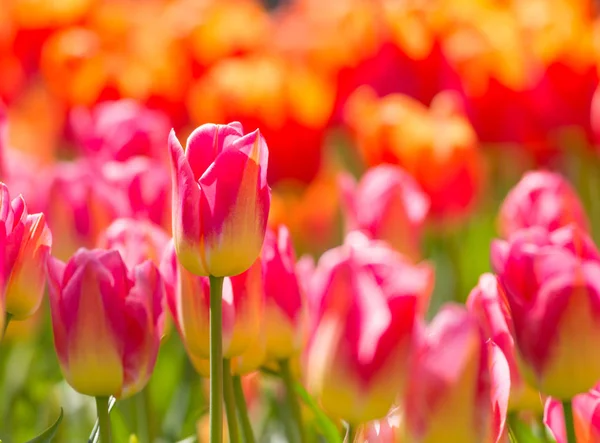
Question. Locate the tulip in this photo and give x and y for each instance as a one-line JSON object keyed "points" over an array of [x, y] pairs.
{"points": [[107, 321], [551, 284], [189, 302], [487, 306], [284, 320], [543, 199], [220, 199], [26, 242], [387, 204], [386, 430], [457, 388], [136, 241], [586, 415], [362, 331]]}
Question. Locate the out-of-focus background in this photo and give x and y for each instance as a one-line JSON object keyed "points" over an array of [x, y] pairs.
{"points": [[465, 95]]}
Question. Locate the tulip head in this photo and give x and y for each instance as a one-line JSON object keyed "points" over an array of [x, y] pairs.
{"points": [[285, 318], [387, 204], [26, 242], [544, 199], [551, 284], [586, 417], [220, 199], [362, 331], [188, 298], [107, 321]]}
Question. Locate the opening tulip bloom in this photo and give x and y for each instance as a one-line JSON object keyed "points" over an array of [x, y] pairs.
{"points": [[363, 329], [26, 242], [551, 282], [221, 199], [107, 321]]}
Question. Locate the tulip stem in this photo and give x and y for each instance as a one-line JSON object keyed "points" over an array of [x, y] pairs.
{"points": [[242, 409], [7, 320], [292, 400], [103, 419], [216, 360], [569, 424], [232, 424], [350, 433]]}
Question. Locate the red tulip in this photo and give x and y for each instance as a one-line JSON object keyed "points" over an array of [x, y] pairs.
{"points": [[220, 199], [586, 417], [107, 321]]}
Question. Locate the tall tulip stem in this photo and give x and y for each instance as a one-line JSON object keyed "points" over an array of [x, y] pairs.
{"points": [[569, 424], [232, 424], [242, 409], [216, 360], [7, 320], [350, 433], [292, 400], [103, 419]]}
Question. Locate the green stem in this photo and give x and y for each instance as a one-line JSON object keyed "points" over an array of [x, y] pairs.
{"points": [[232, 424], [292, 400], [350, 434], [142, 410], [216, 360], [543, 433], [242, 409], [7, 320], [569, 425], [103, 419]]}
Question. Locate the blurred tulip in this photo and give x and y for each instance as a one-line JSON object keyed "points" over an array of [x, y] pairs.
{"points": [[387, 204], [221, 199], [541, 198], [107, 321], [120, 130], [458, 389], [285, 309], [437, 146], [26, 241], [586, 417], [386, 430], [487, 306], [362, 330], [136, 241], [189, 300], [551, 284]]}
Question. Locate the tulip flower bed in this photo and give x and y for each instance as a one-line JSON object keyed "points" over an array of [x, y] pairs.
{"points": [[309, 221]]}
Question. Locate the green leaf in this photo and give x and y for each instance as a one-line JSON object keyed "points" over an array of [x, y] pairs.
{"points": [[326, 426], [48, 434]]}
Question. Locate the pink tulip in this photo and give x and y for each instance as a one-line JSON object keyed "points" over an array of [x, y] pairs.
{"points": [[551, 283], [586, 415], [458, 388], [120, 130], [136, 241], [387, 204], [107, 321], [26, 242], [189, 301], [284, 320], [542, 199], [363, 328], [220, 199], [488, 307]]}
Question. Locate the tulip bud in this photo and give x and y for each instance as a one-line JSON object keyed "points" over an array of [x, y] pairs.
{"points": [[388, 204], [452, 394], [189, 301], [26, 241], [551, 284], [220, 199], [487, 306], [542, 199], [284, 321], [107, 321], [362, 331], [586, 417]]}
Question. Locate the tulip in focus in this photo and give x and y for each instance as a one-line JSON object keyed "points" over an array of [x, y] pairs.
{"points": [[487, 306], [551, 283], [586, 417], [363, 331], [541, 198], [285, 314], [189, 301], [458, 389], [26, 242], [220, 199], [107, 321], [387, 204]]}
